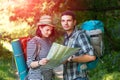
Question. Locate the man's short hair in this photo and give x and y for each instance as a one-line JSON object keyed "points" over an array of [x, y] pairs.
{"points": [[68, 12]]}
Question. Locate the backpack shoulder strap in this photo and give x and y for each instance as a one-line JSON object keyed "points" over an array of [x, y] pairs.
{"points": [[37, 50]]}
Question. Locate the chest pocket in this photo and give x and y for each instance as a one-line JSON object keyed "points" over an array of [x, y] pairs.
{"points": [[71, 42]]}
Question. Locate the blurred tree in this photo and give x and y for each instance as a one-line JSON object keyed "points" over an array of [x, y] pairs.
{"points": [[27, 13]]}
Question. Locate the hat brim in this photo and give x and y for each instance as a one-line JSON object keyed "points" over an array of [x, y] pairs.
{"points": [[39, 24]]}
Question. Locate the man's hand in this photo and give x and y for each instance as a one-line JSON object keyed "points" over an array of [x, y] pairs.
{"points": [[70, 59]]}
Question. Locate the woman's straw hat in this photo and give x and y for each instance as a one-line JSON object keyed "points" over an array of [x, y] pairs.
{"points": [[45, 20]]}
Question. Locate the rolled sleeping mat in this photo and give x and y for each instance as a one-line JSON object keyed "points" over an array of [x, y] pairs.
{"points": [[19, 59]]}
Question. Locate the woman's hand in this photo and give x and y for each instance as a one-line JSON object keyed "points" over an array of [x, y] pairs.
{"points": [[43, 61]]}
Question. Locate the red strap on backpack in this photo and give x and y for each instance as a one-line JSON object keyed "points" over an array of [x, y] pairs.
{"points": [[23, 42]]}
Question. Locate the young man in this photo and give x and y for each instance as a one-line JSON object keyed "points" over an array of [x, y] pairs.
{"points": [[75, 68]]}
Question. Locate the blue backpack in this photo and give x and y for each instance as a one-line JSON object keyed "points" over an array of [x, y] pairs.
{"points": [[94, 30]]}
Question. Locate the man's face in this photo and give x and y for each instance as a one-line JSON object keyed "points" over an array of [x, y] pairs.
{"points": [[67, 22]]}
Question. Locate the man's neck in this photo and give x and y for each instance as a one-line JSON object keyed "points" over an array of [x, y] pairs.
{"points": [[69, 32]]}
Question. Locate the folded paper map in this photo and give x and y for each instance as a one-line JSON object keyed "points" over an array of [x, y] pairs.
{"points": [[58, 54]]}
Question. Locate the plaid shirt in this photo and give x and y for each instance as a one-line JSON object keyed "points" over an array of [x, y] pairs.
{"points": [[77, 39]]}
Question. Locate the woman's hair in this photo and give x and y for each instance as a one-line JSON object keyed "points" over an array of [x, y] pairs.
{"points": [[39, 34]]}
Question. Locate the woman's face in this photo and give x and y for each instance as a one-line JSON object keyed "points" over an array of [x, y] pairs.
{"points": [[46, 31]]}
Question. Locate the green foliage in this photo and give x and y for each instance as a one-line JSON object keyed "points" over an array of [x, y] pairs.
{"points": [[112, 76], [7, 70], [110, 66]]}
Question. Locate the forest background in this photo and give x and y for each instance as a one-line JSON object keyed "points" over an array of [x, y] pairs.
{"points": [[18, 19]]}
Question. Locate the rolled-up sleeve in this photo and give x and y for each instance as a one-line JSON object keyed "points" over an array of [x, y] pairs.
{"points": [[31, 46]]}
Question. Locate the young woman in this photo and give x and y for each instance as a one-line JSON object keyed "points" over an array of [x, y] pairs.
{"points": [[38, 48]]}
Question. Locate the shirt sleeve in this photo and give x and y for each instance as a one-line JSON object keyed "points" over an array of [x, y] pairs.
{"points": [[31, 46], [86, 47]]}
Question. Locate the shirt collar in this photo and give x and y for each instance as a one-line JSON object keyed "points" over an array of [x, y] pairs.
{"points": [[66, 35]]}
